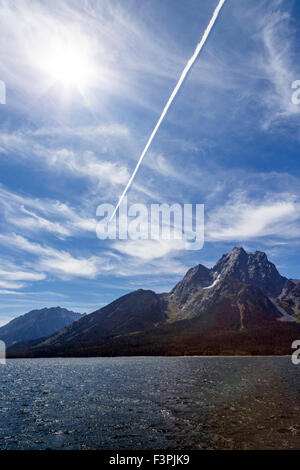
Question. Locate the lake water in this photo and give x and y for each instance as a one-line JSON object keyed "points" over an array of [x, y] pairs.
{"points": [[150, 403]]}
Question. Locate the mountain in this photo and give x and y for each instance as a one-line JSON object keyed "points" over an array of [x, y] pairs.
{"points": [[136, 311], [37, 324], [240, 306], [248, 282]]}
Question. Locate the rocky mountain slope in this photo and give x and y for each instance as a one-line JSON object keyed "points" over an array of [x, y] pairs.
{"points": [[136, 311], [289, 298]]}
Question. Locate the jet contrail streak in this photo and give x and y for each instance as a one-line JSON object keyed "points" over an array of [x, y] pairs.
{"points": [[170, 100]]}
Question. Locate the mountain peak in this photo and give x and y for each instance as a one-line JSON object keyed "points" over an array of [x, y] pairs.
{"points": [[261, 255], [196, 277], [251, 268], [237, 252], [238, 249]]}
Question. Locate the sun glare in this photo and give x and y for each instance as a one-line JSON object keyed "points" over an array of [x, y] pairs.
{"points": [[68, 63]]}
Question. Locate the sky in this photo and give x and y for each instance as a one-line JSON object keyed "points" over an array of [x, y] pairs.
{"points": [[86, 82]]}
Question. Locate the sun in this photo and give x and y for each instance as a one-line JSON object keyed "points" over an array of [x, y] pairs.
{"points": [[68, 62], [68, 66]]}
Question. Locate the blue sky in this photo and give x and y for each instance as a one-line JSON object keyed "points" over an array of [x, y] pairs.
{"points": [[230, 141]]}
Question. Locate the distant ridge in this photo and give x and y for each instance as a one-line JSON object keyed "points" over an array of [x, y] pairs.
{"points": [[37, 324]]}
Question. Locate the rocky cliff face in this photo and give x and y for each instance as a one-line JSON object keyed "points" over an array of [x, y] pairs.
{"points": [[251, 268], [195, 279], [289, 299]]}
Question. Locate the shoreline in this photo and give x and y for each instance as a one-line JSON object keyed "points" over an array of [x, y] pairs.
{"points": [[145, 357]]}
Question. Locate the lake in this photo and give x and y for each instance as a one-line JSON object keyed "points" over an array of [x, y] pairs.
{"points": [[150, 403]]}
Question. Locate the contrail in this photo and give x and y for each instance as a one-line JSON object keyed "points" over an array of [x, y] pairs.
{"points": [[171, 99]]}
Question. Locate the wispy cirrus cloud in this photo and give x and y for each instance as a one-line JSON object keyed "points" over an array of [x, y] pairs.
{"points": [[110, 129], [12, 273], [279, 63], [11, 285], [9, 292], [12, 277], [149, 249], [44, 215], [244, 219], [86, 164], [81, 163], [100, 171], [51, 260], [63, 265]]}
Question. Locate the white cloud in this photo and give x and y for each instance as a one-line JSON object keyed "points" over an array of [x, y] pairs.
{"points": [[37, 222], [34, 214], [242, 219], [55, 261], [110, 129], [83, 164], [134, 267], [13, 274], [11, 285], [86, 164], [278, 65], [62, 263], [12, 277], [149, 249], [148, 258], [163, 165], [8, 292]]}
